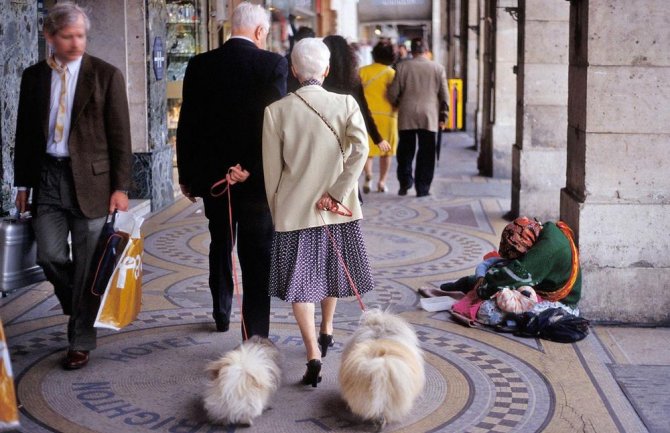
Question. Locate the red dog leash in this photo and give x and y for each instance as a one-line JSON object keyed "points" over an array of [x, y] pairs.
{"points": [[224, 184], [345, 211]]}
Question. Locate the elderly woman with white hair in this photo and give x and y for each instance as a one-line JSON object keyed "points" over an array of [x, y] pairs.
{"points": [[314, 148]]}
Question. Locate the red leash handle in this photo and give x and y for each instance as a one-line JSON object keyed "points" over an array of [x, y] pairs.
{"points": [[345, 212], [223, 183], [214, 191]]}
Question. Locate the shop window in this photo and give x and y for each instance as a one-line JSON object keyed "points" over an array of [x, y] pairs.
{"points": [[186, 37]]}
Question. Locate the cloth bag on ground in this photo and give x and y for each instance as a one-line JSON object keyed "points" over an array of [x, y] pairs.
{"points": [[517, 300], [9, 412], [122, 298], [553, 324]]}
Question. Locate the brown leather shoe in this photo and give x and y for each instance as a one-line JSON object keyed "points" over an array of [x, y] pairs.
{"points": [[431, 292], [75, 359]]}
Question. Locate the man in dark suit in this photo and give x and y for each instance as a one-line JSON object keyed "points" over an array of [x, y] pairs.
{"points": [[73, 150], [220, 127]]}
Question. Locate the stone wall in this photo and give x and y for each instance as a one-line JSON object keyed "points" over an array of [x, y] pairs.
{"points": [[539, 154], [159, 174], [504, 128], [157, 107], [472, 85], [18, 50], [617, 196], [122, 33]]}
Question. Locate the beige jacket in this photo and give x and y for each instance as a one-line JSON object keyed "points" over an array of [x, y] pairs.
{"points": [[302, 158], [419, 90]]}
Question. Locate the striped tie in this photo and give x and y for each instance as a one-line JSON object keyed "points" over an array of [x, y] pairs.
{"points": [[62, 98]]}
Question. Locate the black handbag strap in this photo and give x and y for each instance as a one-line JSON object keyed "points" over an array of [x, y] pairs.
{"points": [[337, 137]]}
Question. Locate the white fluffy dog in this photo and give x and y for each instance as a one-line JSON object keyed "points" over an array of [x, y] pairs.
{"points": [[382, 370], [242, 382]]}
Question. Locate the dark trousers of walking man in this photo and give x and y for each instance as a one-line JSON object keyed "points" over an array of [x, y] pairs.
{"points": [[253, 230], [425, 160]]}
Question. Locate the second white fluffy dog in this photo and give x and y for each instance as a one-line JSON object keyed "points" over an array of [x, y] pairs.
{"points": [[242, 382], [382, 371]]}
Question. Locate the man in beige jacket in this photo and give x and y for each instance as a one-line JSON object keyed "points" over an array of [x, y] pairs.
{"points": [[419, 90]]}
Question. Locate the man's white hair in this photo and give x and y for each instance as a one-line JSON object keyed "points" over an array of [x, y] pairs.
{"points": [[62, 15], [310, 58], [249, 16]]}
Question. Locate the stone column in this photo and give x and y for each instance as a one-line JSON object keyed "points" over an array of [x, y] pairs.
{"points": [[539, 154], [122, 33], [617, 196], [472, 68], [504, 127]]}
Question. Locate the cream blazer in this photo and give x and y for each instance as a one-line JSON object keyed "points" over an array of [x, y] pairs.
{"points": [[302, 158]]}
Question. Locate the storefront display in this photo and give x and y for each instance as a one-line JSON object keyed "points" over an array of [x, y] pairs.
{"points": [[186, 37]]}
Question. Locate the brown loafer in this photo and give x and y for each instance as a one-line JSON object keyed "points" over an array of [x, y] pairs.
{"points": [[431, 292], [75, 359]]}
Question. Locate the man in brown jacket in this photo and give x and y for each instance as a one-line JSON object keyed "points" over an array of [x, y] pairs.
{"points": [[73, 150], [419, 90]]}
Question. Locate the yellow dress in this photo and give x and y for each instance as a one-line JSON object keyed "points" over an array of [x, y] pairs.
{"points": [[376, 79]]}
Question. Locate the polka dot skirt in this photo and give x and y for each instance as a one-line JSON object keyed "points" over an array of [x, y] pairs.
{"points": [[305, 267]]}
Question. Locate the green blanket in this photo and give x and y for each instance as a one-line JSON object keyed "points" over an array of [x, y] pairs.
{"points": [[546, 267]]}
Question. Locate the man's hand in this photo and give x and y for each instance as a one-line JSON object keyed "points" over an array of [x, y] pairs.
{"points": [[384, 146], [237, 174], [22, 201], [118, 201], [186, 191]]}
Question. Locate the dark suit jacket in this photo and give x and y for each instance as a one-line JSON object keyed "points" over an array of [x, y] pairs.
{"points": [[221, 120], [99, 142]]}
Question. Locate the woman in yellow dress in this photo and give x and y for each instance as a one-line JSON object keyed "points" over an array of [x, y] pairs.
{"points": [[375, 79]]}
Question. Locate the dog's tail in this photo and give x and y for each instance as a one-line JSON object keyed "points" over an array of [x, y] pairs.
{"points": [[242, 381], [380, 379], [250, 366]]}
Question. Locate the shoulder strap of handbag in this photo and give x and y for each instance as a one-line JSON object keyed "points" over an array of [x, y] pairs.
{"points": [[376, 77], [324, 121]]}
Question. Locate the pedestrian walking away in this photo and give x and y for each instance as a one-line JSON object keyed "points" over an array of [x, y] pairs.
{"points": [[219, 131], [419, 90], [314, 201]]}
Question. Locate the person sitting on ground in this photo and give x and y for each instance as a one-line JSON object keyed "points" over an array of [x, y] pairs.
{"points": [[542, 256]]}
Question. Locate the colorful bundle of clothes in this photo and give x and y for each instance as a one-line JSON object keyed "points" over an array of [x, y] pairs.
{"points": [[536, 261]]}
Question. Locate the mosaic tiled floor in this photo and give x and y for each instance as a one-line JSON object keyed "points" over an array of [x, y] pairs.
{"points": [[149, 376]]}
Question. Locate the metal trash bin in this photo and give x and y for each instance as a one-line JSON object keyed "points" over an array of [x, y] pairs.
{"points": [[18, 253]]}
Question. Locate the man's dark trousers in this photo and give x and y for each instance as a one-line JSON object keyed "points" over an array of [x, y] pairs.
{"points": [[252, 225], [58, 215], [425, 159]]}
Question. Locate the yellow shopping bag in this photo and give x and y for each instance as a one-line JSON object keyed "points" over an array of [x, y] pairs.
{"points": [[122, 300], [9, 412]]}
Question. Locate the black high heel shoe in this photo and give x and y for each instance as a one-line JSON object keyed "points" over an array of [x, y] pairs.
{"points": [[325, 341], [312, 375]]}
